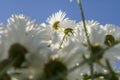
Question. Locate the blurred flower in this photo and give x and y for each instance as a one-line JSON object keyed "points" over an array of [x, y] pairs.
{"points": [[21, 37], [61, 63], [98, 36], [112, 34], [56, 50]]}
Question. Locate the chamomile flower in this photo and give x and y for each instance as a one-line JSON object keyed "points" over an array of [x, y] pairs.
{"points": [[36, 61], [67, 30], [20, 39], [90, 25], [23, 45], [67, 26], [59, 65], [112, 34], [50, 37], [55, 19], [98, 36]]}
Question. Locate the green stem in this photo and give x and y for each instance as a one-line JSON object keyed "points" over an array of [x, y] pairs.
{"points": [[10, 63], [93, 57], [100, 64], [62, 41], [92, 71], [84, 25], [109, 66]]}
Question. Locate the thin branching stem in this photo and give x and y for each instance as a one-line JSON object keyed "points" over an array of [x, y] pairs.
{"points": [[93, 57], [89, 60]]}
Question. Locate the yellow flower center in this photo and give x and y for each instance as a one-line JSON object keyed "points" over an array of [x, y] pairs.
{"points": [[55, 25], [68, 30], [109, 40], [17, 54], [55, 70], [96, 48]]}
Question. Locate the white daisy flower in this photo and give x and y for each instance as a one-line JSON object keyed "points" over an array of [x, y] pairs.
{"points": [[97, 36], [112, 34], [23, 44], [112, 30], [61, 63], [36, 61], [67, 30], [55, 19], [49, 36], [67, 26], [20, 38], [91, 26], [100, 36]]}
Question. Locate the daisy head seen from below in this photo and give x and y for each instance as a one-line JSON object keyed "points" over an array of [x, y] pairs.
{"points": [[55, 19], [19, 39]]}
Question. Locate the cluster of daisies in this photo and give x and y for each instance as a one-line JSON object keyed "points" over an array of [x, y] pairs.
{"points": [[58, 49]]}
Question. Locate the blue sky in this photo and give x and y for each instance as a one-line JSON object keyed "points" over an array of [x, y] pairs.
{"points": [[104, 11]]}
